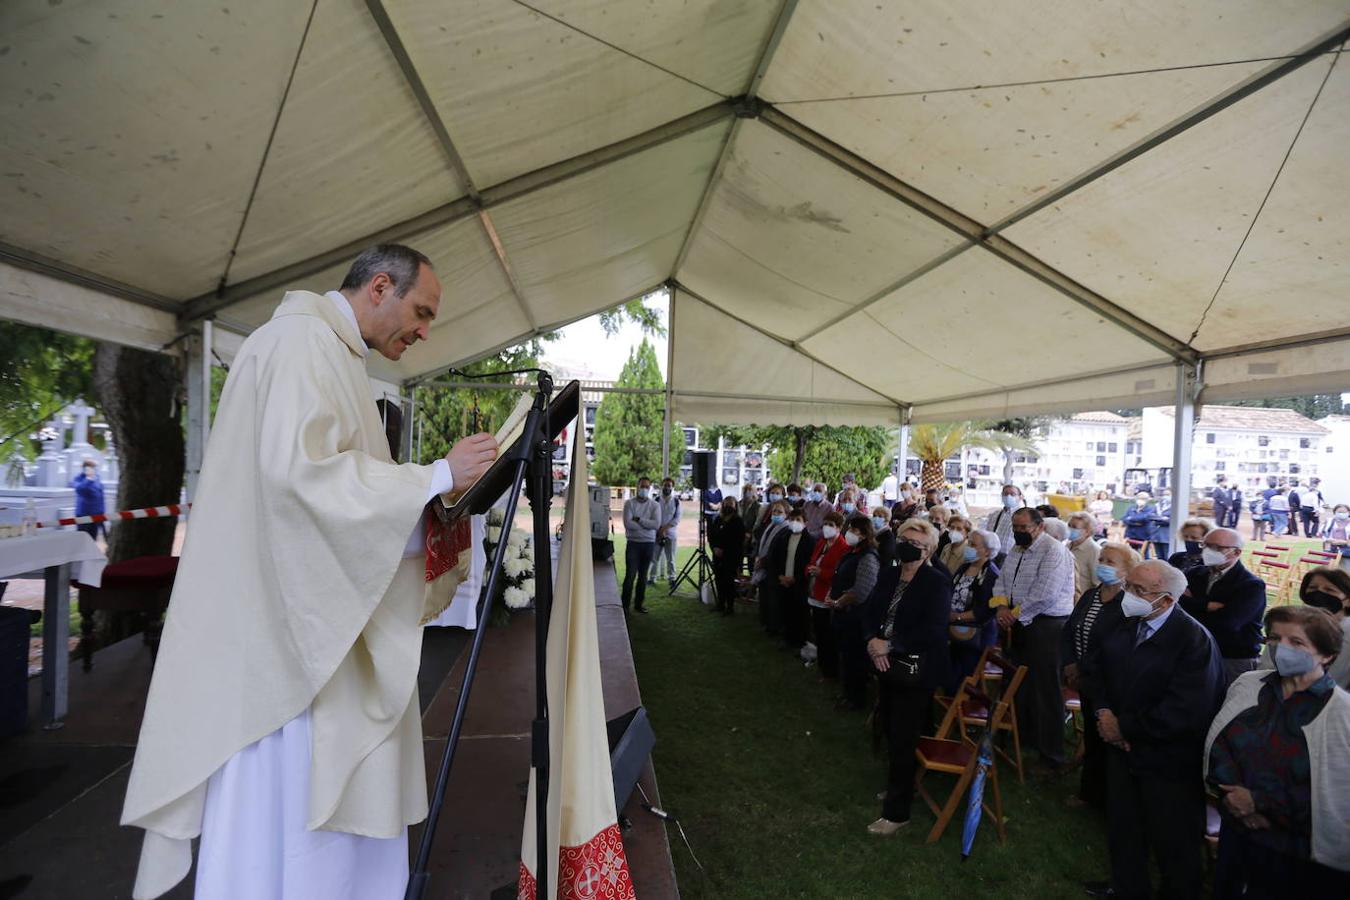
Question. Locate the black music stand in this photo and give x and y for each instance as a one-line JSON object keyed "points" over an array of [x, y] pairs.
{"points": [[527, 461]]}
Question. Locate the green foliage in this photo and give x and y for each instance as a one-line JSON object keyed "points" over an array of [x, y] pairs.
{"points": [[40, 371], [446, 414], [628, 426], [1314, 406], [826, 452], [651, 321]]}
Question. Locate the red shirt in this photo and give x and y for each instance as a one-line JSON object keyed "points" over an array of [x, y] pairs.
{"points": [[826, 555]]}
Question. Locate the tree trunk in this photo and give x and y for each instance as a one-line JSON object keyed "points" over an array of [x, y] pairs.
{"points": [[139, 393], [933, 476], [802, 440]]}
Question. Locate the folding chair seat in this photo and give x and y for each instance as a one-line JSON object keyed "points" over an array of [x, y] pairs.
{"points": [[975, 713], [959, 755]]}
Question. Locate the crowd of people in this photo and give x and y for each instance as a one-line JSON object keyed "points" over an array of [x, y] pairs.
{"points": [[1196, 694]]}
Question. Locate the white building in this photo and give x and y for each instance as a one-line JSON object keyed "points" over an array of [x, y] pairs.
{"points": [[1334, 464], [1077, 455], [1252, 446]]}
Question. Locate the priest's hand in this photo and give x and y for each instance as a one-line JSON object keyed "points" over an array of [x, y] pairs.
{"points": [[471, 457]]}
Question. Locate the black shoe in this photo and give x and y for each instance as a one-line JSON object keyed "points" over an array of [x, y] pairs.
{"points": [[1099, 889], [642, 609]]}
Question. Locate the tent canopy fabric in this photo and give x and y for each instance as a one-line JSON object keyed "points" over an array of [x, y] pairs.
{"points": [[954, 209]]}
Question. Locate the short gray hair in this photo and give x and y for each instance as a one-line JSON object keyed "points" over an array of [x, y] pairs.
{"points": [[1057, 529], [399, 262], [1173, 579], [992, 542]]}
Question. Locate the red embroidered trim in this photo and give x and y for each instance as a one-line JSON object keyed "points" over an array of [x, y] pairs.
{"points": [[596, 870], [445, 541]]}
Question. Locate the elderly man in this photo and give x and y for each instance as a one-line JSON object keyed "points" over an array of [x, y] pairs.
{"points": [[1037, 582], [816, 507], [1229, 600], [641, 519], [1163, 682], [1000, 520]]}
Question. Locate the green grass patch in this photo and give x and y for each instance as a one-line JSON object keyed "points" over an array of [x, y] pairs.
{"points": [[775, 788]]}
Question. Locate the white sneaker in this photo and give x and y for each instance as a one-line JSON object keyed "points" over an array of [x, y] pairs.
{"points": [[885, 827]]}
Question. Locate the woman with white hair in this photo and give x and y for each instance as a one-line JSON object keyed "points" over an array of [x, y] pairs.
{"points": [[1096, 614], [972, 621], [1084, 551]]}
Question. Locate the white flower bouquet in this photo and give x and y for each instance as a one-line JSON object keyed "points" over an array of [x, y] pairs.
{"points": [[517, 583]]}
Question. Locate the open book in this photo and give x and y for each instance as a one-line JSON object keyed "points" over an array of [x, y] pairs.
{"points": [[447, 505]]}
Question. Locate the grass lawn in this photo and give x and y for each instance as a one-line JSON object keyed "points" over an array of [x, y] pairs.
{"points": [[775, 788]]}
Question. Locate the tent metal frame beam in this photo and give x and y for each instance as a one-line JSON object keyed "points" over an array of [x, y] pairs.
{"points": [[1045, 383], [1308, 340], [419, 90], [464, 207], [747, 107], [974, 234], [44, 265], [789, 344]]}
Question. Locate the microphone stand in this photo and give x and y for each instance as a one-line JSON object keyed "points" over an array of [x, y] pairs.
{"points": [[530, 458]]}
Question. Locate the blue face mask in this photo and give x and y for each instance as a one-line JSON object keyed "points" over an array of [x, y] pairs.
{"points": [[1107, 574], [849, 507], [774, 498], [878, 522], [1011, 501], [1293, 661], [1075, 534], [777, 518], [970, 554]]}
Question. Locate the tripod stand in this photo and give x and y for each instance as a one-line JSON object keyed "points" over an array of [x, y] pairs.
{"points": [[698, 570], [528, 466]]}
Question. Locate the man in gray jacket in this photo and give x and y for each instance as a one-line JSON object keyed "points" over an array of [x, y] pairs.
{"points": [[665, 533], [641, 518]]}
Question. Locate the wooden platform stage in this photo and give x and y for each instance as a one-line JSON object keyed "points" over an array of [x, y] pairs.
{"points": [[61, 791]]}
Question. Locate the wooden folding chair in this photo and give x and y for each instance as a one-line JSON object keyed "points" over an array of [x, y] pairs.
{"points": [[976, 714], [1280, 551], [944, 700], [1277, 576], [1073, 709], [959, 755]]}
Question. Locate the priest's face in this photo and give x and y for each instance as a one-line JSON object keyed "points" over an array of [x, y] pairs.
{"points": [[399, 322]]}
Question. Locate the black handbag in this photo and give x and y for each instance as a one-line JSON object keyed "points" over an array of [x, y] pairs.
{"points": [[903, 671]]}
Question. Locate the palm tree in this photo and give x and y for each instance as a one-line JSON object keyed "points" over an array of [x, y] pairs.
{"points": [[933, 444]]}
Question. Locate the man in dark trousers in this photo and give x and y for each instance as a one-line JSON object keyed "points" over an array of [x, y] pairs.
{"points": [[1163, 681], [789, 555], [1223, 500], [726, 536], [1229, 600]]}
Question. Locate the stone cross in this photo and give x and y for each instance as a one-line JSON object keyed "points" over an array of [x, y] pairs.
{"points": [[81, 411]]}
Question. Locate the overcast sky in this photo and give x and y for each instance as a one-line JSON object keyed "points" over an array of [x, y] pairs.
{"points": [[585, 351]]}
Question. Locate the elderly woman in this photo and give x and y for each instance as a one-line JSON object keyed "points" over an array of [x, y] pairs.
{"points": [[829, 550], [1096, 615], [767, 589], [1336, 533], [885, 537], [907, 619], [953, 554], [854, 579], [1326, 588], [1193, 537], [1084, 551], [1278, 758], [972, 621]]}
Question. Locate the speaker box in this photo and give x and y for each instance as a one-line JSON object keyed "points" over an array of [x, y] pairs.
{"points": [[705, 469], [631, 740]]}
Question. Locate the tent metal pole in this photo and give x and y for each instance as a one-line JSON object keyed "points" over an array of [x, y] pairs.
{"points": [[666, 447], [198, 377], [1183, 434], [902, 451]]}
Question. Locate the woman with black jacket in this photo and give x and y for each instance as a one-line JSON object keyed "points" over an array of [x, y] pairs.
{"points": [[973, 626], [906, 619], [727, 537], [1096, 615], [854, 578]]}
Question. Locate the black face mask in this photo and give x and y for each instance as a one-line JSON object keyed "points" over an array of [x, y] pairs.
{"points": [[1022, 538], [665, 492], [907, 552], [1323, 600], [1193, 547]]}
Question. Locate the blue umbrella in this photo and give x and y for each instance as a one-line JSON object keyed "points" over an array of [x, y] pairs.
{"points": [[975, 803]]}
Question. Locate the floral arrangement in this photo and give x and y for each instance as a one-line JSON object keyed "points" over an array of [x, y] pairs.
{"points": [[517, 584]]}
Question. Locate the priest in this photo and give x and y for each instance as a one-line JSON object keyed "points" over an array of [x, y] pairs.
{"points": [[282, 724]]}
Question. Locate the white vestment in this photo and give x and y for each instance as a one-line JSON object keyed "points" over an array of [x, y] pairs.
{"points": [[294, 606]]}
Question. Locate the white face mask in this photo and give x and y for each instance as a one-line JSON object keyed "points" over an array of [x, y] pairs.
{"points": [[852, 539], [1211, 557], [796, 527], [955, 536], [644, 493], [1133, 606], [829, 532]]}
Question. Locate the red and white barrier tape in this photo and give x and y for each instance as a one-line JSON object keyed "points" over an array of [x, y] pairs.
{"points": [[150, 512]]}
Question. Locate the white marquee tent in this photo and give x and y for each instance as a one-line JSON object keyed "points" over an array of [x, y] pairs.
{"points": [[866, 210]]}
